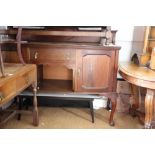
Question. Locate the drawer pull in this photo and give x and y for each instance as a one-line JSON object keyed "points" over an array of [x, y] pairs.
{"points": [[36, 55]]}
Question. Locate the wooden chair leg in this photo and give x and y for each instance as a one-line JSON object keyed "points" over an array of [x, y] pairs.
{"points": [[1, 63], [91, 110], [35, 106]]}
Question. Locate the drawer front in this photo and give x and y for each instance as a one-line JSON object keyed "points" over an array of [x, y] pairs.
{"points": [[51, 55], [25, 80], [7, 90]]}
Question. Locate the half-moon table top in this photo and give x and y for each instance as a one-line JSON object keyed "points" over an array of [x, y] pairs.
{"points": [[138, 75]]}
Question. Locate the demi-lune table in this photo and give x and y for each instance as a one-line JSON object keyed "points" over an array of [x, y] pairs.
{"points": [[141, 77]]}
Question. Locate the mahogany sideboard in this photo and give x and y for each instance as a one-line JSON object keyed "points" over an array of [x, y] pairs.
{"points": [[77, 62]]}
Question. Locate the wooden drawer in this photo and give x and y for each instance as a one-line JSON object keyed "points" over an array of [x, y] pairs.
{"points": [[7, 90], [19, 78], [54, 55], [25, 80]]}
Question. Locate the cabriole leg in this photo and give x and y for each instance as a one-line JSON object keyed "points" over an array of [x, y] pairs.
{"points": [[111, 120], [149, 108]]}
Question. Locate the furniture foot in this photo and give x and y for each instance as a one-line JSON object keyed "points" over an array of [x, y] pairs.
{"points": [[35, 107], [111, 121], [91, 110], [149, 108], [148, 126], [112, 99]]}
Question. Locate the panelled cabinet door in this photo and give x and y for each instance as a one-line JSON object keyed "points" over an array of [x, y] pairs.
{"points": [[95, 70]]}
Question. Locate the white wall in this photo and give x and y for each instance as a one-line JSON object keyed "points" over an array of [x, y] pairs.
{"points": [[131, 39]]}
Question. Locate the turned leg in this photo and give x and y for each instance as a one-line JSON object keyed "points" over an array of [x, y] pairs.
{"points": [[35, 106], [135, 93], [149, 108], [1, 63], [113, 108], [18, 38]]}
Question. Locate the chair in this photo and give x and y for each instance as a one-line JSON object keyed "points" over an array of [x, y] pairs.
{"points": [[10, 40]]}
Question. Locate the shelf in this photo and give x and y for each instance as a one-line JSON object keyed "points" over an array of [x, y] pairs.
{"points": [[55, 33], [61, 86], [59, 89], [71, 45]]}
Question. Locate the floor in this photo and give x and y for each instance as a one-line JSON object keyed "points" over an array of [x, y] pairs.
{"points": [[73, 118]]}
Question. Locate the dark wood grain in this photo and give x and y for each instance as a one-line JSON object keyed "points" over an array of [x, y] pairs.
{"points": [[93, 64]]}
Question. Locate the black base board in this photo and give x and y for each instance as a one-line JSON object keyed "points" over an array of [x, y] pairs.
{"points": [[50, 102]]}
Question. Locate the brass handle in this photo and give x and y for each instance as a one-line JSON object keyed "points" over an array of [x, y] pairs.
{"points": [[36, 55]]}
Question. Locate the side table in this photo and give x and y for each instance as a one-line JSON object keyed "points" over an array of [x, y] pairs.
{"points": [[142, 77]]}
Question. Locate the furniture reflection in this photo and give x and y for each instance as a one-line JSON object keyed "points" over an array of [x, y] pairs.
{"points": [[141, 77]]}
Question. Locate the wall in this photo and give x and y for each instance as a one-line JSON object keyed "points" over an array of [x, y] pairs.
{"points": [[131, 39]]}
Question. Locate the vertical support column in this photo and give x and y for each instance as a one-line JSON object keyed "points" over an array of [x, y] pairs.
{"points": [[18, 38], [135, 94], [1, 63], [35, 105], [149, 108]]}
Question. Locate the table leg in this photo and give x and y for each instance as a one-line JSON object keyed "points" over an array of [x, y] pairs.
{"points": [[113, 108], [149, 108], [35, 105], [135, 93], [1, 63]]}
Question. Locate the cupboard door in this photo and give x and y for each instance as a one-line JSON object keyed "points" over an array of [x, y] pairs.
{"points": [[95, 70]]}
